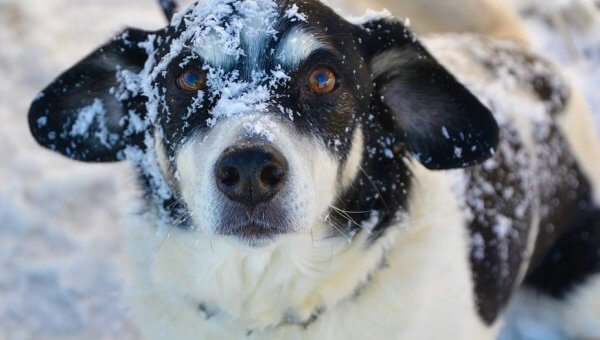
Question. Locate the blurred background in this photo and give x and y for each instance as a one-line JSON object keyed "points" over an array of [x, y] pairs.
{"points": [[61, 247]]}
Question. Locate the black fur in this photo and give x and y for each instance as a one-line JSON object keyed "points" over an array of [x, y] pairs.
{"points": [[496, 263], [442, 124], [552, 189], [573, 258], [56, 109]]}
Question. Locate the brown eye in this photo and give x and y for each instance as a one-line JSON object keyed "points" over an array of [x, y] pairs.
{"points": [[191, 80], [322, 80]]}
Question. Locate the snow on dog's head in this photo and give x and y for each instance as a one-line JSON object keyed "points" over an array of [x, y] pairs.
{"points": [[257, 118]]}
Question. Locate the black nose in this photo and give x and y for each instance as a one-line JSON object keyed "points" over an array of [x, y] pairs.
{"points": [[251, 173]]}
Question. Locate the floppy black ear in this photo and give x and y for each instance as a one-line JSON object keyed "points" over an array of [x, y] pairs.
{"points": [[443, 125], [84, 113]]}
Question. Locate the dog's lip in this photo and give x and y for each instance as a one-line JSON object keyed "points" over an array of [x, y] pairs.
{"points": [[254, 230], [261, 223]]}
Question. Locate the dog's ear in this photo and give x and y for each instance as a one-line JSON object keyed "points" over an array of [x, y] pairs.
{"points": [[84, 113], [443, 125]]}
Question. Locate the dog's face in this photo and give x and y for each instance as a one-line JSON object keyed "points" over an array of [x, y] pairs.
{"points": [[257, 118]]}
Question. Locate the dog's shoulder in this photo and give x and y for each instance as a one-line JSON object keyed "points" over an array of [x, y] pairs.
{"points": [[501, 72], [512, 195]]}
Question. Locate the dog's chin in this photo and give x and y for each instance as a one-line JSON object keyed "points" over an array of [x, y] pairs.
{"points": [[255, 234], [258, 226]]}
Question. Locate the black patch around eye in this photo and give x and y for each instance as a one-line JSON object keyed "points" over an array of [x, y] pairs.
{"points": [[333, 116], [322, 58], [346, 74], [181, 112]]}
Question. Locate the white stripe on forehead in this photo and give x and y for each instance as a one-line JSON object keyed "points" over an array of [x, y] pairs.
{"points": [[298, 45], [223, 31], [214, 55]]}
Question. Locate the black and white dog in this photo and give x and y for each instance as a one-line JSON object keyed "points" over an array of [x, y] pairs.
{"points": [[308, 177]]}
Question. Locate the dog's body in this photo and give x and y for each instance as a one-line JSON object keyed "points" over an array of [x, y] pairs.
{"points": [[358, 235], [491, 18]]}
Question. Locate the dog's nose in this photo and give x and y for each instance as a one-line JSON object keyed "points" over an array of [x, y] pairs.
{"points": [[251, 173]]}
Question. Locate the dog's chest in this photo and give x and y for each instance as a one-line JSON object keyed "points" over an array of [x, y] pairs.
{"points": [[219, 288], [188, 286]]}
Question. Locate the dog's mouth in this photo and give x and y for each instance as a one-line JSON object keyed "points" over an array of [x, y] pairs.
{"points": [[254, 231], [257, 225]]}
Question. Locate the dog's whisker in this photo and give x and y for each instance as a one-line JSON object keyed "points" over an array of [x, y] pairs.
{"points": [[352, 221], [341, 199], [161, 243], [374, 187], [337, 228], [341, 211], [346, 216]]}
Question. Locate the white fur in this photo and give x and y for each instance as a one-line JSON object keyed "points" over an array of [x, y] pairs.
{"points": [[252, 288], [298, 45], [312, 171], [389, 59], [161, 157], [354, 159], [252, 26], [578, 126], [215, 56]]}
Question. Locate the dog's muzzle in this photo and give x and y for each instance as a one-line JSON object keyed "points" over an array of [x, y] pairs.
{"points": [[251, 175]]}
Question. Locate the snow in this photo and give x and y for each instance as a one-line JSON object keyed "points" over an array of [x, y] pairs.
{"points": [[293, 14], [445, 132], [370, 15], [478, 244], [61, 248], [458, 152], [85, 118], [503, 226], [61, 253], [262, 127], [42, 121], [247, 20], [239, 28]]}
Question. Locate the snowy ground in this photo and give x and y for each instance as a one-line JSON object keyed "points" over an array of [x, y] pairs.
{"points": [[61, 249]]}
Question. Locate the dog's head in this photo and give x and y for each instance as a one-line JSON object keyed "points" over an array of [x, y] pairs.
{"points": [[256, 118]]}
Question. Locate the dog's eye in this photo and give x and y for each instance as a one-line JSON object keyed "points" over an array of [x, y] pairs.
{"points": [[322, 80], [191, 80]]}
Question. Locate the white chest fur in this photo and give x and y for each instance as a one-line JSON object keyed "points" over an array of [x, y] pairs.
{"points": [[424, 290]]}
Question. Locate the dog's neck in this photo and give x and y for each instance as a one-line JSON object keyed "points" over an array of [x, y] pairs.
{"points": [[188, 282], [290, 282]]}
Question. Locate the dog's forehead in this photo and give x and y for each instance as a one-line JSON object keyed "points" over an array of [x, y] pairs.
{"points": [[255, 54], [223, 32]]}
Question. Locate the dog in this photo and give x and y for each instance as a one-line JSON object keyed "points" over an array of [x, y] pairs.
{"points": [[307, 176]]}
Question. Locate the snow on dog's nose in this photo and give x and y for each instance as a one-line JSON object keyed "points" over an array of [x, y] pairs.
{"points": [[251, 172]]}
